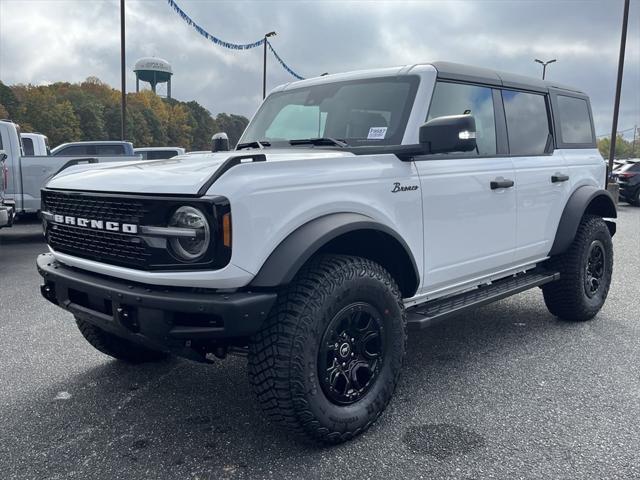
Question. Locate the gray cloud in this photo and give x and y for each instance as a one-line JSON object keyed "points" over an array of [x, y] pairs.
{"points": [[63, 40]]}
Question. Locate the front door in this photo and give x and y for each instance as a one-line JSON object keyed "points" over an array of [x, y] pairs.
{"points": [[469, 201]]}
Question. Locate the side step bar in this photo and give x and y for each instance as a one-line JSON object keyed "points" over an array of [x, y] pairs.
{"points": [[428, 313]]}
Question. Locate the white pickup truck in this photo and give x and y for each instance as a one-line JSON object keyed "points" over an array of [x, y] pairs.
{"points": [[26, 175], [35, 145], [356, 207]]}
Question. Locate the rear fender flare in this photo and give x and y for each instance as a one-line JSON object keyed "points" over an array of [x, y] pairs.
{"points": [[585, 200]]}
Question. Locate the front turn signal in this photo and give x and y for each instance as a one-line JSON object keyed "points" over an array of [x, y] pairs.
{"points": [[226, 230]]}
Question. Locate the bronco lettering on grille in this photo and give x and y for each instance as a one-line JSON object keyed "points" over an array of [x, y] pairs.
{"points": [[96, 224]]}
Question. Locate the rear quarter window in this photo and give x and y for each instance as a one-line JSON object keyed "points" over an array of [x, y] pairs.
{"points": [[27, 144], [574, 120]]}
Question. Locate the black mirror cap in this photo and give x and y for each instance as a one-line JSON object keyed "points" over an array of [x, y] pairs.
{"points": [[453, 133], [220, 142]]}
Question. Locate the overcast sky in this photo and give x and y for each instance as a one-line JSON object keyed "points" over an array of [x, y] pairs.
{"points": [[44, 41]]}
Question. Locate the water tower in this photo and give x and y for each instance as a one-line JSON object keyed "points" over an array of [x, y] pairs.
{"points": [[154, 71]]}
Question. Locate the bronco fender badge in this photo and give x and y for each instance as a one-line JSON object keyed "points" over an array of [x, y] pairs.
{"points": [[403, 188]]}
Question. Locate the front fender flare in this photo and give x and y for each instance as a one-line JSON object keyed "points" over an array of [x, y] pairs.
{"points": [[296, 249]]}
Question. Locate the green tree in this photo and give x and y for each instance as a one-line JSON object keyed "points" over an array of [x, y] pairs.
{"points": [[9, 100], [624, 148], [232, 125]]}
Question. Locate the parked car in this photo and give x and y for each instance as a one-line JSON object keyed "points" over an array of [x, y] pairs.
{"points": [[7, 209], [106, 148], [35, 144], [356, 207], [158, 153], [628, 179], [26, 175]]}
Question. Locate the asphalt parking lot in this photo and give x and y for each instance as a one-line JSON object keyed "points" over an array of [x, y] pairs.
{"points": [[507, 392]]}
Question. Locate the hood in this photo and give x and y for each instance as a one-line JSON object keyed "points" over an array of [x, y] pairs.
{"points": [[184, 174]]}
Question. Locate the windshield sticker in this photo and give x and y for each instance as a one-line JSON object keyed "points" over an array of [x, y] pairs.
{"points": [[377, 133]]}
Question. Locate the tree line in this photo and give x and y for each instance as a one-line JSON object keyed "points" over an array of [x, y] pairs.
{"points": [[90, 110], [624, 148]]}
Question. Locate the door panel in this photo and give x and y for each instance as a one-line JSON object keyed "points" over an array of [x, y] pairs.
{"points": [[540, 203], [469, 229]]}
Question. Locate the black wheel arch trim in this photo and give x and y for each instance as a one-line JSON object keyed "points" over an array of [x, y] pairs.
{"points": [[584, 200], [297, 248]]}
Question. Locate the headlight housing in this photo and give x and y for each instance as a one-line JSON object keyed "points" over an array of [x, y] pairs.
{"points": [[190, 248]]}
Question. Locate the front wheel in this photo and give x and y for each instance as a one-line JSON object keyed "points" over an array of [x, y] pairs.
{"points": [[585, 273], [328, 359]]}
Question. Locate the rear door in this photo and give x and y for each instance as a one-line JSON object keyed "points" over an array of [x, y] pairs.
{"points": [[542, 176], [469, 227]]}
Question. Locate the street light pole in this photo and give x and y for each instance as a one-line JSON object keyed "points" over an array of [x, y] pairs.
{"points": [[264, 64], [616, 104], [123, 99], [544, 66]]}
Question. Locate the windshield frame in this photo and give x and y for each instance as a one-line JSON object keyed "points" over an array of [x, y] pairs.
{"points": [[407, 108]]}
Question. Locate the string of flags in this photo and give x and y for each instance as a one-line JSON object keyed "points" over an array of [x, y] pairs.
{"points": [[229, 45]]}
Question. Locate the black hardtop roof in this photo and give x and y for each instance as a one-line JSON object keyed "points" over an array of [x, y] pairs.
{"points": [[487, 76]]}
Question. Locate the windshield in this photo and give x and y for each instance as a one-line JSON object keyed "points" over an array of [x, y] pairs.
{"points": [[357, 112]]}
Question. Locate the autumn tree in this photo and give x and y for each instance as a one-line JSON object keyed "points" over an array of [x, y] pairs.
{"points": [[90, 110]]}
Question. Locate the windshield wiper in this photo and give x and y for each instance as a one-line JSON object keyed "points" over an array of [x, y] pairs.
{"points": [[254, 144], [319, 141]]}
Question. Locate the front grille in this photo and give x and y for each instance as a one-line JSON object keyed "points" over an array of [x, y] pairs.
{"points": [[89, 206], [100, 245]]}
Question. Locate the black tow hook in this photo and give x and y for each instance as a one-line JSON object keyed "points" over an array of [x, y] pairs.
{"points": [[48, 291]]}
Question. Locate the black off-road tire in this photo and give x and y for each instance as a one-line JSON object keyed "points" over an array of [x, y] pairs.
{"points": [[284, 360], [117, 347], [567, 298]]}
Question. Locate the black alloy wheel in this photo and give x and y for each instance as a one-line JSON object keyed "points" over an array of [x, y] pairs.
{"points": [[351, 353]]}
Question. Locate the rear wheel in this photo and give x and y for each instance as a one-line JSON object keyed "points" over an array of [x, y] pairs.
{"points": [[635, 198], [117, 347], [328, 359], [585, 273]]}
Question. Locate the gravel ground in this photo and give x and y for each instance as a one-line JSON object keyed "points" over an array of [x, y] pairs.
{"points": [[505, 392]]}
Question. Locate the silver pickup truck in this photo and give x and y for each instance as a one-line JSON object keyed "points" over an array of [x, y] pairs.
{"points": [[23, 176]]}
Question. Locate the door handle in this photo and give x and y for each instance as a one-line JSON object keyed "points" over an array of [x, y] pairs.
{"points": [[559, 177], [501, 183]]}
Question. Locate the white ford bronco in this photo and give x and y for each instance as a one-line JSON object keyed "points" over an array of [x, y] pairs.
{"points": [[355, 208]]}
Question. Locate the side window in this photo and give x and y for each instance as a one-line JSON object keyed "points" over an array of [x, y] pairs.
{"points": [[109, 149], [575, 122], [457, 99], [160, 154], [527, 122], [73, 150], [27, 144]]}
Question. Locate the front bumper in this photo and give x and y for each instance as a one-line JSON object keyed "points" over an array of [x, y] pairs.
{"points": [[7, 213], [184, 321]]}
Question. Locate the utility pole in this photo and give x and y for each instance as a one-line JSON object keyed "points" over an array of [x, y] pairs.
{"points": [[616, 104], [264, 64], [544, 65], [123, 74]]}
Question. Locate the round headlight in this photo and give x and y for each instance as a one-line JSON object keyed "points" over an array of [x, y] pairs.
{"points": [[190, 248]]}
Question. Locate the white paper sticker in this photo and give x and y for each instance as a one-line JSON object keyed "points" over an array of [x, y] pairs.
{"points": [[377, 133]]}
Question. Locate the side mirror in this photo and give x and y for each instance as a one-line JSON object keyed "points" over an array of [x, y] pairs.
{"points": [[220, 142], [3, 156], [453, 133]]}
